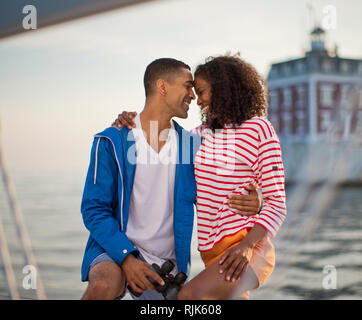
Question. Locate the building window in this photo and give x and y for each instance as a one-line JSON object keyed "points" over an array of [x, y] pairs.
{"points": [[274, 119], [300, 66], [344, 66], [287, 123], [301, 97], [327, 92], [287, 98], [300, 125], [345, 95], [325, 120], [286, 69], [274, 99], [359, 122], [274, 72], [327, 65]]}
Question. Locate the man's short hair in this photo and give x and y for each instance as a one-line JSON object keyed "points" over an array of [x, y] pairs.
{"points": [[163, 68]]}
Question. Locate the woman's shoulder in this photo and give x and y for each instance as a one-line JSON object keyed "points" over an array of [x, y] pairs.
{"points": [[263, 126], [200, 130], [258, 120]]}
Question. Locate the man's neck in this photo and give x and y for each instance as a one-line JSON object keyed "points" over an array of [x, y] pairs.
{"points": [[155, 115], [155, 124]]}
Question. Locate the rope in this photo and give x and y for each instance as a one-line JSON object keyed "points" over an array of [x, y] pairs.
{"points": [[8, 269], [21, 229]]}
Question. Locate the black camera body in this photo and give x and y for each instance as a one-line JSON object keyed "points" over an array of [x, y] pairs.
{"points": [[172, 283]]}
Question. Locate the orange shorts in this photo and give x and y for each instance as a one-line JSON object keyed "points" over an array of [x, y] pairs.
{"points": [[262, 260]]}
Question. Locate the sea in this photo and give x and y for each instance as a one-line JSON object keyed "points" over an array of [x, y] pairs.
{"points": [[325, 265]]}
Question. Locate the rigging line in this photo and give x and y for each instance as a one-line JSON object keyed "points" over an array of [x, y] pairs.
{"points": [[20, 225], [8, 269]]}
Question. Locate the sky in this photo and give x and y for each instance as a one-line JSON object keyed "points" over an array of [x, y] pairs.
{"points": [[62, 84]]}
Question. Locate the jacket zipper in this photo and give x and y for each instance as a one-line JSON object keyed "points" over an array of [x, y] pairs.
{"points": [[119, 169]]}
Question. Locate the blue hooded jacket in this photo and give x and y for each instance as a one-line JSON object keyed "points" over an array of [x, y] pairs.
{"points": [[107, 193]]}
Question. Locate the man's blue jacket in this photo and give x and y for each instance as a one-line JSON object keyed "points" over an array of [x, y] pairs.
{"points": [[108, 189]]}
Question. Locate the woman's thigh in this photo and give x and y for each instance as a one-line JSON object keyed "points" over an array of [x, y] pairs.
{"points": [[210, 284]]}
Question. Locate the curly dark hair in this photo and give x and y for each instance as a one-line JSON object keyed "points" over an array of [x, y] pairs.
{"points": [[237, 91]]}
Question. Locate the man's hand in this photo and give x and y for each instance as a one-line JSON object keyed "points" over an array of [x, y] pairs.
{"points": [[136, 271], [246, 205], [234, 260], [125, 119]]}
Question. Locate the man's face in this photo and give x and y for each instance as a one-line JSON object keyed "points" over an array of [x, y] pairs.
{"points": [[180, 93]]}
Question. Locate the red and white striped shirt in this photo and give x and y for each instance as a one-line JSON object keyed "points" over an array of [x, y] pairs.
{"points": [[227, 161]]}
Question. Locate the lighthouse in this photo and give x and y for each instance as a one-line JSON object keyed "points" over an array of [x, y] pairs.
{"points": [[316, 95]]}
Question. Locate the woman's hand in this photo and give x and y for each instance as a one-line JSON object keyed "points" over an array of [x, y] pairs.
{"points": [[125, 119], [234, 260]]}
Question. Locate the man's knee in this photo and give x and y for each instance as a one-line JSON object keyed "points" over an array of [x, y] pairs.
{"points": [[103, 290], [106, 281], [101, 287]]}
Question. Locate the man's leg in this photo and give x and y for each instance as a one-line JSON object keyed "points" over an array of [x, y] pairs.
{"points": [[106, 281]]}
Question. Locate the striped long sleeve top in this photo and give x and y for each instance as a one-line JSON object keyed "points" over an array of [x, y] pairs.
{"points": [[227, 161]]}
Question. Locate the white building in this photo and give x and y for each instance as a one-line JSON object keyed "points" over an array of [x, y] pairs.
{"points": [[316, 94]]}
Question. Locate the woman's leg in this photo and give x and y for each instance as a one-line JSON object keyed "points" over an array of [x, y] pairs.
{"points": [[210, 284]]}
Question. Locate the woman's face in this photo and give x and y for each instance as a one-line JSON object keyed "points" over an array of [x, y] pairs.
{"points": [[203, 91]]}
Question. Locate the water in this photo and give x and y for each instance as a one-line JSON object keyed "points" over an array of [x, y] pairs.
{"points": [[335, 244], [51, 206]]}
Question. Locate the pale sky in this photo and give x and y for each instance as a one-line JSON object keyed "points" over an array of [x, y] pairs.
{"points": [[62, 84]]}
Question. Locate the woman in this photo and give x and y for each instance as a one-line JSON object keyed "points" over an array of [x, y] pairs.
{"points": [[239, 148]]}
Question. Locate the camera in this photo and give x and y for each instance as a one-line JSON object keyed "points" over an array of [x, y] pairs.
{"points": [[172, 283]]}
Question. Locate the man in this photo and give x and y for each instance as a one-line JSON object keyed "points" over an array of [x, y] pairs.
{"points": [[140, 190]]}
